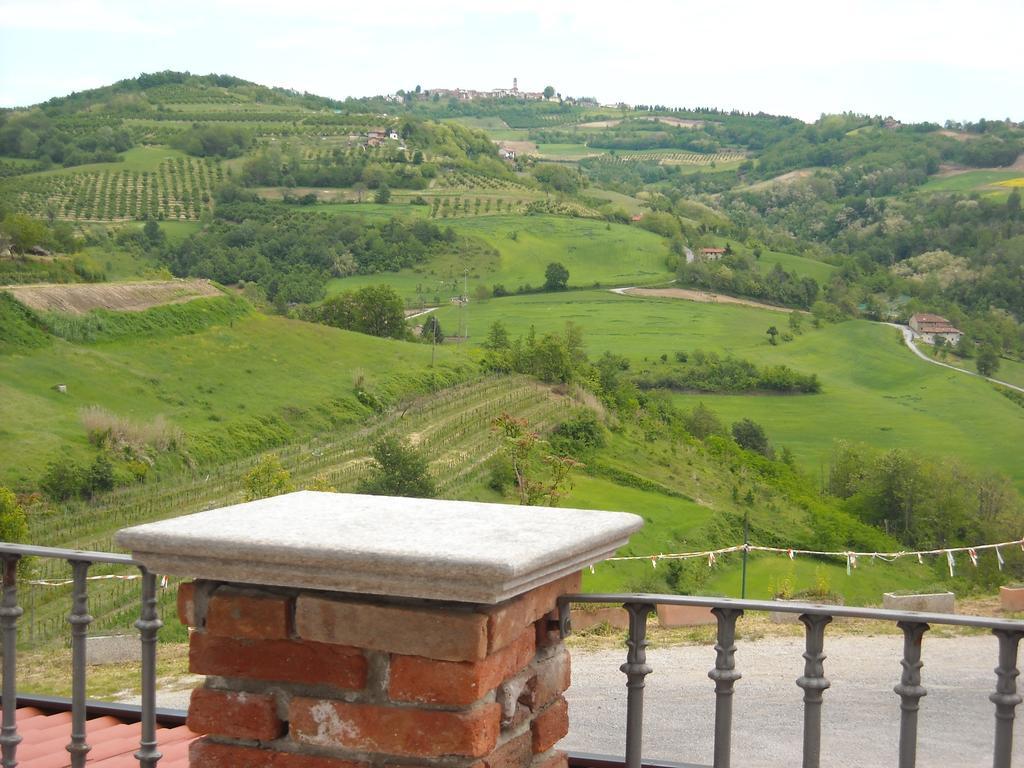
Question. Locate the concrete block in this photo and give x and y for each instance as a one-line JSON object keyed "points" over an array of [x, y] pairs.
{"points": [[940, 602], [112, 649]]}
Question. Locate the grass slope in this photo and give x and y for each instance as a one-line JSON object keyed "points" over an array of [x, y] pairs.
{"points": [[874, 390], [592, 251], [232, 388]]}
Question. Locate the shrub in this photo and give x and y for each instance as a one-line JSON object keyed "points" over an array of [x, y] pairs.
{"points": [[267, 478], [63, 479], [13, 522], [401, 470]]}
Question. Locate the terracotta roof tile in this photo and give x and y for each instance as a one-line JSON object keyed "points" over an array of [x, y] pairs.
{"points": [[113, 742]]}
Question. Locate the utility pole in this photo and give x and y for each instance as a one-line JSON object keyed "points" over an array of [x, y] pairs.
{"points": [[746, 553], [465, 299]]}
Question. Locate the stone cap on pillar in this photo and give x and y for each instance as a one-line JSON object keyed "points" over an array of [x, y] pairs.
{"points": [[460, 551]]}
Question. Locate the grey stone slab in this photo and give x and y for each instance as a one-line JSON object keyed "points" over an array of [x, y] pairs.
{"points": [[426, 548]]}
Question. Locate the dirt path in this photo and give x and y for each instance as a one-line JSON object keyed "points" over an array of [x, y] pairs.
{"points": [[908, 338], [702, 296], [79, 298]]}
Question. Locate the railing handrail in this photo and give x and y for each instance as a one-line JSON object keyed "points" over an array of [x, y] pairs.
{"points": [[810, 609], [813, 682], [148, 624], [71, 555]]}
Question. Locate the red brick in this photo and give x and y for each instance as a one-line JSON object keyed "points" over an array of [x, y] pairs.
{"points": [[405, 731], [234, 714], [204, 753], [293, 661], [234, 613], [506, 621], [514, 753], [428, 681], [550, 725], [553, 759], [437, 634], [552, 679]]}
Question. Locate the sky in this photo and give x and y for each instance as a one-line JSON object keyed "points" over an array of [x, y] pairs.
{"points": [[911, 59]]}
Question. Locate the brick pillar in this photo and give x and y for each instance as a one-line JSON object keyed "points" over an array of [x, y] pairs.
{"points": [[455, 662], [301, 678]]}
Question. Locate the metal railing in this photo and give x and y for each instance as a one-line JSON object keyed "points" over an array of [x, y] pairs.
{"points": [[148, 625], [813, 681]]}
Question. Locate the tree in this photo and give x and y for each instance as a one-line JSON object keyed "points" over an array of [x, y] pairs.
{"points": [[432, 330], [267, 478], [13, 522], [376, 309], [796, 322], [540, 476], [497, 336], [152, 232], [360, 189], [750, 436], [988, 360], [773, 333], [100, 475], [400, 470], [383, 195], [549, 91], [556, 277]]}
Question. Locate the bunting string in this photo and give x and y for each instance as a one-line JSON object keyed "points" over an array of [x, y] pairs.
{"points": [[849, 556]]}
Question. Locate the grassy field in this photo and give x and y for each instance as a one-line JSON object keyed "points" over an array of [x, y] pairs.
{"points": [[592, 251], [874, 390], [631, 205], [216, 385], [971, 181], [567, 152], [803, 266]]}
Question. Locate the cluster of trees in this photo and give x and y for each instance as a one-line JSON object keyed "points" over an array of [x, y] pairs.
{"points": [[738, 275], [927, 501], [34, 134], [273, 166], [19, 233], [291, 254], [552, 357], [708, 372], [559, 177], [376, 310], [65, 478], [213, 140]]}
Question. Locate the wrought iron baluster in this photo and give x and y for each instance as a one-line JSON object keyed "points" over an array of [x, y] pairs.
{"points": [[9, 614], [725, 676], [1006, 697], [910, 689], [636, 669], [79, 620], [148, 625], [814, 684]]}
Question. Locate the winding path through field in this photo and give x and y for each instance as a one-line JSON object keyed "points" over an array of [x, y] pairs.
{"points": [[908, 338]]}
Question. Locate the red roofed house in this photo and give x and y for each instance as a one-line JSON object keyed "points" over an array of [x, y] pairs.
{"points": [[711, 254], [932, 327]]}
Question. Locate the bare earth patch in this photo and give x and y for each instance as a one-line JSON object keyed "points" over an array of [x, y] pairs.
{"points": [[785, 178], [520, 147], [702, 296], [78, 299]]}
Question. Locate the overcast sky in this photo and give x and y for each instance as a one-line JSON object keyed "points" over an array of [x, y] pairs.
{"points": [[912, 59]]}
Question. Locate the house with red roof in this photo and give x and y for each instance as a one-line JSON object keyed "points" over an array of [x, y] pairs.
{"points": [[931, 327]]}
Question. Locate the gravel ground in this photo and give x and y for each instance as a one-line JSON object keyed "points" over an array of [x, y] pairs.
{"points": [[860, 714]]}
